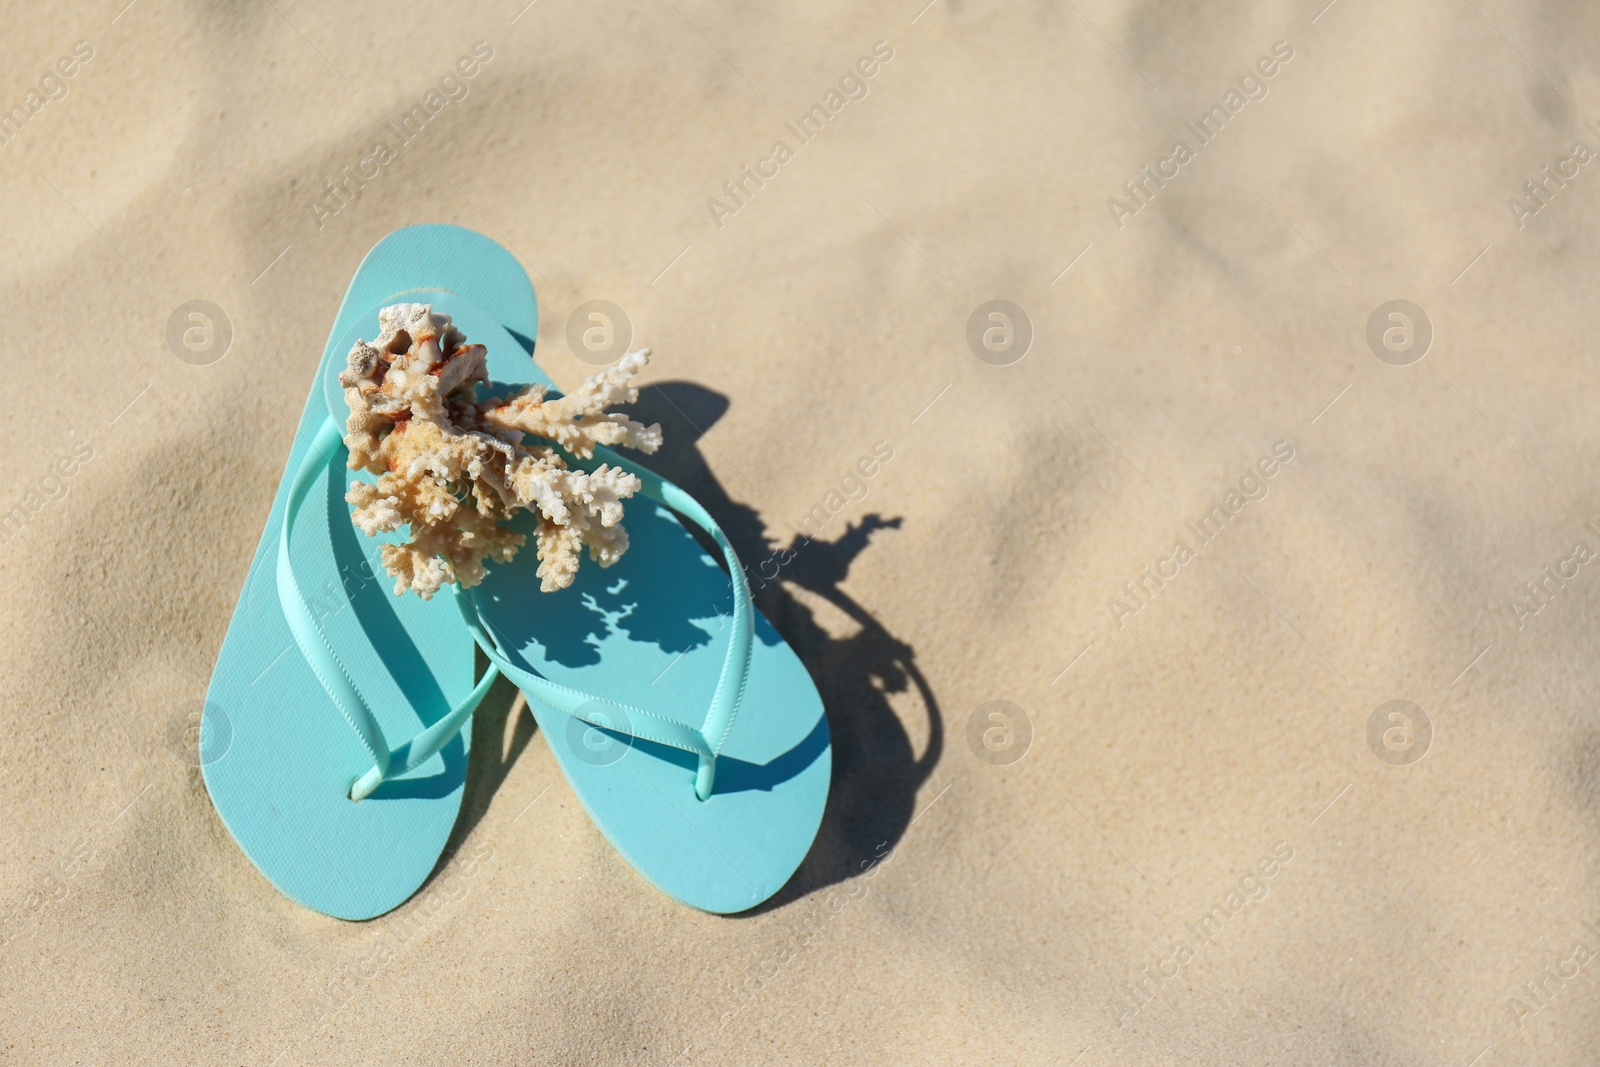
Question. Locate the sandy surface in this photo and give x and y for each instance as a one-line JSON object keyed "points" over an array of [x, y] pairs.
{"points": [[1202, 855]]}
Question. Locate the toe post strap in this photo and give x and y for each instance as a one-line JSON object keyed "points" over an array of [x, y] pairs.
{"points": [[326, 447], [421, 748], [705, 740]]}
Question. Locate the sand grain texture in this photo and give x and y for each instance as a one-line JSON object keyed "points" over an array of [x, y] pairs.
{"points": [[1015, 909]]}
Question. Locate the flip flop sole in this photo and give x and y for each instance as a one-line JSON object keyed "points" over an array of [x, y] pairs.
{"points": [[276, 755]]}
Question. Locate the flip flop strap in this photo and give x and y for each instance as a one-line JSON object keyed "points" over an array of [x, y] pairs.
{"points": [[318, 651], [705, 741]]}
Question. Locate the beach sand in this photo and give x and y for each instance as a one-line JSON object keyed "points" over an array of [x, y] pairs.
{"points": [[1195, 833]]}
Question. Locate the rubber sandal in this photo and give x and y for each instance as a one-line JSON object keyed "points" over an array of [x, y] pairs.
{"points": [[335, 737], [686, 726], [707, 761]]}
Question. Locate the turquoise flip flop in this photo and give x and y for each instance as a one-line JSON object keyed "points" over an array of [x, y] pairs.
{"points": [[335, 735], [707, 759]]}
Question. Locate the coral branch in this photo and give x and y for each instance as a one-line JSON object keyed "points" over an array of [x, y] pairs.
{"points": [[454, 470]]}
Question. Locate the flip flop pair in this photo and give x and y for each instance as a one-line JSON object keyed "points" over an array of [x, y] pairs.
{"points": [[337, 726]]}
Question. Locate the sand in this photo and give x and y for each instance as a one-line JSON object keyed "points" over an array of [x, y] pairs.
{"points": [[1195, 835]]}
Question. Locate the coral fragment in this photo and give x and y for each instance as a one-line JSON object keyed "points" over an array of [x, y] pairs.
{"points": [[455, 470]]}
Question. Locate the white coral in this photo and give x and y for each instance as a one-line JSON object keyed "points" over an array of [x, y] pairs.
{"points": [[453, 470]]}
